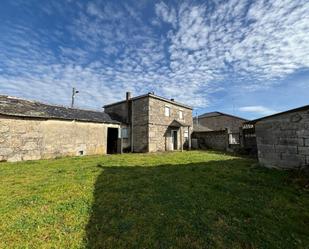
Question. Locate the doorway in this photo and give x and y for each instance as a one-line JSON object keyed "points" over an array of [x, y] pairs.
{"points": [[112, 140], [174, 139]]}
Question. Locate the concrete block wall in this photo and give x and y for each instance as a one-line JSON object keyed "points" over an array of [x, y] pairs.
{"points": [[283, 140], [217, 140]]}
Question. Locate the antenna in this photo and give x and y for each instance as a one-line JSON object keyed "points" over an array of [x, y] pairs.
{"points": [[196, 117], [74, 91]]}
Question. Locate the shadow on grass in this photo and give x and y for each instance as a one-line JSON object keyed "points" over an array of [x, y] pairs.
{"points": [[217, 204]]}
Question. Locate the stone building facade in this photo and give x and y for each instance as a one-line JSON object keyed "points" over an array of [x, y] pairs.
{"points": [[283, 139], [31, 130], [154, 123]]}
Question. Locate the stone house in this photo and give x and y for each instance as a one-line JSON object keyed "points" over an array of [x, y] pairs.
{"points": [[31, 130], [153, 123], [283, 139]]}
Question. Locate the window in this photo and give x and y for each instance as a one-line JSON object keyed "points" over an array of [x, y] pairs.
{"points": [[167, 111], [180, 115], [186, 134], [124, 133]]}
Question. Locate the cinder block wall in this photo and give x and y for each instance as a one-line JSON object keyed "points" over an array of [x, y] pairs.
{"points": [[217, 140], [283, 141], [32, 139]]}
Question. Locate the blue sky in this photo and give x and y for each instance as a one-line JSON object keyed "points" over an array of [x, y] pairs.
{"points": [[248, 58]]}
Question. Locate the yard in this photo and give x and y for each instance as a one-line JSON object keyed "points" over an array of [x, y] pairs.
{"points": [[171, 200]]}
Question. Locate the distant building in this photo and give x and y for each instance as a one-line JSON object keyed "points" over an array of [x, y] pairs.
{"points": [[215, 121], [283, 139]]}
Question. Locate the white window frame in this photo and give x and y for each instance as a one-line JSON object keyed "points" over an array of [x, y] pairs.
{"points": [[186, 134], [167, 111], [180, 114], [124, 132]]}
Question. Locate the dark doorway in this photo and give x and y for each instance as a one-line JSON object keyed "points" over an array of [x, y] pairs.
{"points": [[175, 140], [112, 138]]}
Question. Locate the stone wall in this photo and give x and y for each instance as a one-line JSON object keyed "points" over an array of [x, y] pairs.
{"points": [[160, 138], [140, 117], [151, 131], [283, 141], [32, 139], [118, 112], [217, 140], [221, 122]]}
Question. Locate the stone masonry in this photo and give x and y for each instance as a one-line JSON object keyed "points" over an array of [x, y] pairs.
{"points": [[151, 128], [283, 140], [32, 139], [160, 138]]}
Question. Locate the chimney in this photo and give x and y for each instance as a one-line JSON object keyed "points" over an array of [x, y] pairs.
{"points": [[128, 96]]}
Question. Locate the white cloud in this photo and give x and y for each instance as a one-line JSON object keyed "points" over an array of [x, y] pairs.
{"points": [[112, 48], [257, 109]]}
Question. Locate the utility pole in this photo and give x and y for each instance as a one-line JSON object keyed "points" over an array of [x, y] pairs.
{"points": [[74, 91]]}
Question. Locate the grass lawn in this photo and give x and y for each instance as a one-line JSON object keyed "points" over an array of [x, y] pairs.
{"points": [[172, 200]]}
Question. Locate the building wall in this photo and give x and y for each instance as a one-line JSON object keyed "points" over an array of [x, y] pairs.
{"points": [[283, 141], [140, 120], [118, 112], [32, 139], [217, 140], [221, 122], [160, 138]]}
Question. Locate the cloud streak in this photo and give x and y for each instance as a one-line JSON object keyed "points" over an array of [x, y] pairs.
{"points": [[261, 110]]}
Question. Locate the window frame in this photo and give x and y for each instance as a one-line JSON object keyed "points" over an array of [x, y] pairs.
{"points": [[124, 132], [181, 117], [169, 111]]}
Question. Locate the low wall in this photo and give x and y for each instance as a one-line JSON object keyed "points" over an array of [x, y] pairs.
{"points": [[217, 140], [283, 141], [32, 139]]}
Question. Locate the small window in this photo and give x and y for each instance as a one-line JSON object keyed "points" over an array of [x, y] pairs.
{"points": [[124, 133], [167, 111], [180, 115], [186, 134]]}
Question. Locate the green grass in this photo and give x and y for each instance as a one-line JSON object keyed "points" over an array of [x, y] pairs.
{"points": [[172, 200]]}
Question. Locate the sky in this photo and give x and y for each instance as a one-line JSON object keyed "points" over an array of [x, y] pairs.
{"points": [[247, 58]]}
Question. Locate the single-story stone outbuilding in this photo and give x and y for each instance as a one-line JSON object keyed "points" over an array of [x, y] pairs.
{"points": [[283, 139], [30, 130]]}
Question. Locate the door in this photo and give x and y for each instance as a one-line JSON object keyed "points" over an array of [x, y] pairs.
{"points": [[112, 138], [175, 142]]}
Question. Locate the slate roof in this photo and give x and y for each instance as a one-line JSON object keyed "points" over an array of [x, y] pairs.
{"points": [[12, 106]]}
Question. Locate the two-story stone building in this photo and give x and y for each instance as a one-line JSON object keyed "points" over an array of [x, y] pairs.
{"points": [[152, 123]]}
